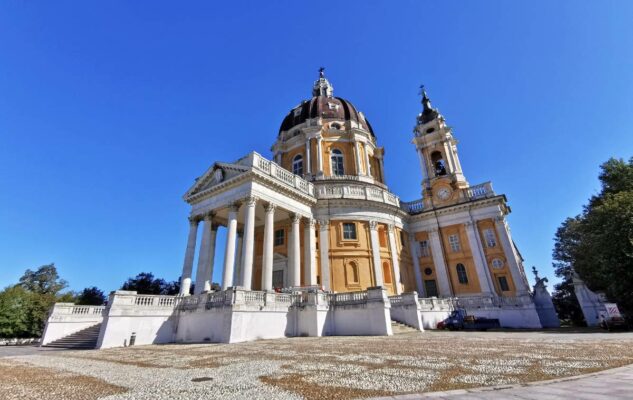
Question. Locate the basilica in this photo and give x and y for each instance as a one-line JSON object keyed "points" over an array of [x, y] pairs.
{"points": [[317, 244]]}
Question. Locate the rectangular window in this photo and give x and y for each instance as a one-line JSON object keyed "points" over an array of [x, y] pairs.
{"points": [[489, 237], [424, 248], [349, 231], [453, 240], [503, 284], [279, 237], [430, 288]]}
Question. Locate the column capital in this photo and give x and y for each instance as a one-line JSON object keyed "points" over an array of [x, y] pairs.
{"points": [[234, 207], [391, 227], [270, 207], [469, 224], [208, 217], [434, 229], [311, 222], [324, 223], [373, 225], [250, 201], [194, 220], [295, 218], [501, 219]]}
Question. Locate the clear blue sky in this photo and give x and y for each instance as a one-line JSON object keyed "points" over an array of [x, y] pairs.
{"points": [[109, 110]]}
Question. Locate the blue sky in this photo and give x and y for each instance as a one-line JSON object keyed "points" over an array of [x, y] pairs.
{"points": [[109, 110]]}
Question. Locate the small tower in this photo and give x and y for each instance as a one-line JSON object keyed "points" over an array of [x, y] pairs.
{"points": [[442, 175]]}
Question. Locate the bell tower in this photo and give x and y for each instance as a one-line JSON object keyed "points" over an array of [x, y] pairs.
{"points": [[442, 176]]}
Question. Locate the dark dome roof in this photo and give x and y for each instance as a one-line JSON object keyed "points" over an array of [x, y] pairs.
{"points": [[323, 104], [328, 108]]}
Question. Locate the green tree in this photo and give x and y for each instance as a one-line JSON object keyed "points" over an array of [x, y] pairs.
{"points": [[598, 244], [15, 312], [91, 296], [44, 280], [564, 296], [146, 283]]}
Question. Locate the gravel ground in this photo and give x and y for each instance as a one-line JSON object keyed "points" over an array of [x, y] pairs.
{"points": [[324, 368]]}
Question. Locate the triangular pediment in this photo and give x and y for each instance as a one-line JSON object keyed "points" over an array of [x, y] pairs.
{"points": [[214, 176]]}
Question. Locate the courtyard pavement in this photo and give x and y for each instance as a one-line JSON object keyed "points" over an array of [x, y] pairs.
{"points": [[613, 384], [439, 364]]}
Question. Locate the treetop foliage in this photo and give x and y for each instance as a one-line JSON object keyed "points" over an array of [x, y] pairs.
{"points": [[598, 244]]}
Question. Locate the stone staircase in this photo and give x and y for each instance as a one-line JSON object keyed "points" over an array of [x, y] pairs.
{"points": [[398, 327], [84, 339]]}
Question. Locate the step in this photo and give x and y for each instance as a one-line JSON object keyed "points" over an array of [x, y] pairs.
{"points": [[83, 339]]}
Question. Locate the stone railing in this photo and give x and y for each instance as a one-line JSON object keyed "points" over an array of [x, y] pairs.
{"points": [[361, 192], [481, 191], [348, 298], [77, 311], [357, 178], [412, 207], [277, 172], [437, 304], [143, 300], [494, 301]]}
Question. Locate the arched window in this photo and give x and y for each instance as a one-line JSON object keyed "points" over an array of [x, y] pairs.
{"points": [[297, 165], [438, 163], [337, 162], [386, 272], [461, 274]]}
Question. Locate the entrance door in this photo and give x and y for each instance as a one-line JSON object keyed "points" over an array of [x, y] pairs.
{"points": [[278, 279], [430, 288]]}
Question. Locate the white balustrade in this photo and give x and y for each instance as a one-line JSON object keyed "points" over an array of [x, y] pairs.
{"points": [[348, 298], [274, 170], [480, 191]]}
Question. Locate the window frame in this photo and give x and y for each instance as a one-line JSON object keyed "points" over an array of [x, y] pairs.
{"points": [[297, 165], [275, 237], [354, 231], [462, 274], [425, 248], [337, 163], [454, 243], [490, 239]]}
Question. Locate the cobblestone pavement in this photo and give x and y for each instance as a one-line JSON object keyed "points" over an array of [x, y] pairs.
{"points": [[323, 368], [613, 384]]}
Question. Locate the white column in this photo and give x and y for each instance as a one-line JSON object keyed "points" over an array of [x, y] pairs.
{"points": [[481, 266], [443, 282], [319, 149], [394, 259], [367, 164], [269, 243], [324, 256], [425, 172], [308, 158], [295, 260], [208, 274], [229, 251], [413, 249], [375, 252], [237, 270], [512, 258], [359, 162], [309, 252], [203, 254], [249, 241], [185, 278]]}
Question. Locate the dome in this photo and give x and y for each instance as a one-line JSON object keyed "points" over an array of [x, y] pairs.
{"points": [[323, 104]]}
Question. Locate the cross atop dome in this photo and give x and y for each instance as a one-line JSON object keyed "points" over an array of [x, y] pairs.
{"points": [[322, 86]]}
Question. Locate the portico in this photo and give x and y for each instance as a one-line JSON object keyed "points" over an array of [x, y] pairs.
{"points": [[250, 204]]}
